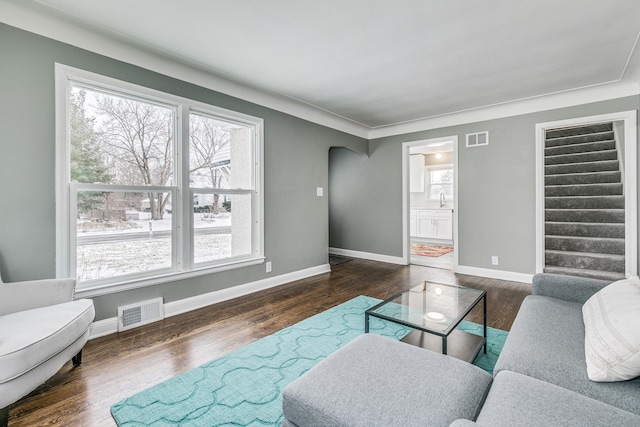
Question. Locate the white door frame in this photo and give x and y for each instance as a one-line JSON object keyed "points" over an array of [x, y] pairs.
{"points": [[630, 183], [406, 254]]}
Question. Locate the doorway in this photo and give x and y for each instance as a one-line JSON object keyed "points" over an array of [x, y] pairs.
{"points": [[586, 196], [429, 201]]}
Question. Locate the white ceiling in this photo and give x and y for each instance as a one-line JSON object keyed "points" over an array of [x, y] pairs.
{"points": [[382, 62]]}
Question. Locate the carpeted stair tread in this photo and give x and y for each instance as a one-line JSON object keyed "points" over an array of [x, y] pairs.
{"points": [[579, 139], [579, 130], [585, 215], [584, 229], [584, 178], [580, 148], [600, 189], [570, 168], [593, 156], [584, 202], [585, 244], [585, 260], [592, 274]]}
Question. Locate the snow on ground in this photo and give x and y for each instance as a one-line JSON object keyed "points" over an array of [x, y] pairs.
{"points": [[200, 220], [130, 256]]}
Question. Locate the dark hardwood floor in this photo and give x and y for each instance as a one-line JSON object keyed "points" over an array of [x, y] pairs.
{"points": [[119, 365]]}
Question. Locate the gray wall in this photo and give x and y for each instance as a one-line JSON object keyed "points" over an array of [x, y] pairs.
{"points": [[296, 162], [496, 190]]}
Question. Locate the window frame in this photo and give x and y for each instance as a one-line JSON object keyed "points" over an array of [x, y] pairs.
{"points": [[430, 168], [183, 265]]}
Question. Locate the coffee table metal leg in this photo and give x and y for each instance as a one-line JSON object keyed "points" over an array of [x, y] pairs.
{"points": [[366, 323], [444, 345], [485, 322]]}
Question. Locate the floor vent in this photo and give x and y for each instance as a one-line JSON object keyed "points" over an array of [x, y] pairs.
{"points": [[141, 313]]}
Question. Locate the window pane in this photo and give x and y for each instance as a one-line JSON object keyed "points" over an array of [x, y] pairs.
{"points": [[117, 235], [441, 176], [120, 140], [220, 153], [222, 226]]}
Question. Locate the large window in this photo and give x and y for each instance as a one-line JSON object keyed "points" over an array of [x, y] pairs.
{"points": [[150, 186]]}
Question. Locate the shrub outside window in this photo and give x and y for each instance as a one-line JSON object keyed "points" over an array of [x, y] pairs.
{"points": [[150, 186]]}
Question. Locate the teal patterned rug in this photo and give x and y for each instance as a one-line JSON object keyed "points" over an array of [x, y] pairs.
{"points": [[243, 388]]}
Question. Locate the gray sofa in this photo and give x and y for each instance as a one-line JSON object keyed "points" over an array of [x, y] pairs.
{"points": [[540, 378]]}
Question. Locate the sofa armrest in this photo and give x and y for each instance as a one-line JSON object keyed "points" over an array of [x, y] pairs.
{"points": [[19, 296], [569, 288]]}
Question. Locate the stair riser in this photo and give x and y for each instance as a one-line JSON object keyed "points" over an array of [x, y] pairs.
{"points": [[599, 215], [596, 156], [611, 166], [615, 247], [615, 231], [590, 178], [584, 190], [580, 148], [585, 262], [579, 139], [579, 130], [602, 202]]}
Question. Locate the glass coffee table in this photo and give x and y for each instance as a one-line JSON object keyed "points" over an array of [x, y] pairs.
{"points": [[433, 310]]}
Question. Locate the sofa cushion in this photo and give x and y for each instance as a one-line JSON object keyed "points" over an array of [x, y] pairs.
{"points": [[377, 381], [546, 342], [518, 400], [612, 331], [29, 338]]}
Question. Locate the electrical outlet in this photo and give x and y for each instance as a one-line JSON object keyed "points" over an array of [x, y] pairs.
{"points": [[494, 260], [268, 266], [319, 191]]}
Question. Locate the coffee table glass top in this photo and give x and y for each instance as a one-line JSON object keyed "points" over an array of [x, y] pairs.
{"points": [[431, 307]]}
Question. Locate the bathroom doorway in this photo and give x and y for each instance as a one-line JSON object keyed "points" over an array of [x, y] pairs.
{"points": [[430, 200]]}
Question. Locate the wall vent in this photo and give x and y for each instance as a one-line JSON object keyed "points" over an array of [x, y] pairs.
{"points": [[477, 139], [141, 313]]}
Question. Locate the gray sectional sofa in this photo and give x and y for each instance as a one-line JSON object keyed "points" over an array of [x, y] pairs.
{"points": [[540, 378]]}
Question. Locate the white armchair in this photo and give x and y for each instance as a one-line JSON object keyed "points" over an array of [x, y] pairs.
{"points": [[41, 328]]}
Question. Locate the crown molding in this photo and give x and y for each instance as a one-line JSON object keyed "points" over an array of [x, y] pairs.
{"points": [[602, 92], [35, 19]]}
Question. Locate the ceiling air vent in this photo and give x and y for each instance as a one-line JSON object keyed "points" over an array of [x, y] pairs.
{"points": [[477, 139], [141, 313]]}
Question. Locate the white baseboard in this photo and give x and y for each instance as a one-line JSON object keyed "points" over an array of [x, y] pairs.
{"points": [[110, 325], [495, 274], [103, 327], [367, 255], [473, 271]]}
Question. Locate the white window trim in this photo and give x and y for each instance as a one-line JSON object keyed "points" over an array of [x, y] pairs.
{"points": [[428, 177], [184, 267]]}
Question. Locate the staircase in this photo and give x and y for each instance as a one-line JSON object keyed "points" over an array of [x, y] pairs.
{"points": [[584, 203]]}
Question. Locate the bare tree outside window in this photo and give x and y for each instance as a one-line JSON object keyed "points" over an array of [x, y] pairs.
{"points": [[207, 138], [137, 139]]}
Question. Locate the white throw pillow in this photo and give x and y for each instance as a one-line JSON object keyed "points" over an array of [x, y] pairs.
{"points": [[612, 332]]}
